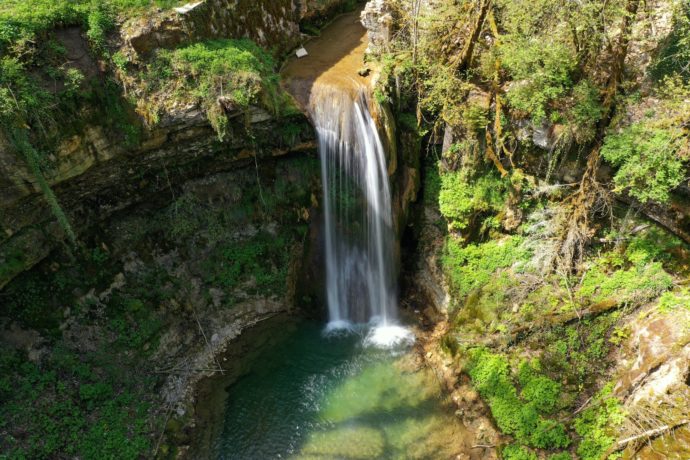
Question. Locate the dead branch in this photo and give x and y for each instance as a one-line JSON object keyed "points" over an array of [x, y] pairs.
{"points": [[647, 435]]}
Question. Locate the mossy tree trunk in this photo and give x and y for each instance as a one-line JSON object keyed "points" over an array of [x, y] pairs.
{"points": [[590, 195]]}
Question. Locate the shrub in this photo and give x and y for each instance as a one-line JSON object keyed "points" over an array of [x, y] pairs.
{"points": [[648, 164], [517, 452], [462, 196], [541, 69]]}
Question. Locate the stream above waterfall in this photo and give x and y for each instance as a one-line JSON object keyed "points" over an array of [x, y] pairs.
{"points": [[305, 394]]}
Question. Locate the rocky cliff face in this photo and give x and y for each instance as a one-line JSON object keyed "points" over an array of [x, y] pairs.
{"points": [[94, 177], [94, 173]]}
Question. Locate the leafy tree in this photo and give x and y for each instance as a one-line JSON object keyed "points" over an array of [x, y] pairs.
{"points": [[647, 161]]}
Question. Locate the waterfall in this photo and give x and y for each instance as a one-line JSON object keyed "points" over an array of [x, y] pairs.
{"points": [[359, 237]]}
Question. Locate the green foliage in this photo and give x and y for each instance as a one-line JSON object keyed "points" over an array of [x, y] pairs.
{"points": [[538, 389], [647, 161], [517, 452], [238, 70], [578, 353], [432, 182], [635, 276], [99, 22], [261, 261], [93, 393], [22, 100], [586, 111], [408, 121], [514, 415], [561, 456], [596, 424], [463, 197], [61, 409], [671, 300], [541, 68], [76, 402], [474, 265], [21, 22], [635, 284], [11, 263]]}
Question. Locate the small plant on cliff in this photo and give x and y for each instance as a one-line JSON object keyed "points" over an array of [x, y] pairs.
{"points": [[223, 75], [596, 424], [33, 160]]}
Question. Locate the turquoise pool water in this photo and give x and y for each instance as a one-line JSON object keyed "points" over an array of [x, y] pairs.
{"points": [[311, 396]]}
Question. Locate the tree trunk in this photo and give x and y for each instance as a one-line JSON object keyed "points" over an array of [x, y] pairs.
{"points": [[468, 50]]}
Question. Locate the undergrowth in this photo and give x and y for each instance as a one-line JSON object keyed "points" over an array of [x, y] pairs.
{"points": [[522, 412]]}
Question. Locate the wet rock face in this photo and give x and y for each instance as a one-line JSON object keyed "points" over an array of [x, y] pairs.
{"points": [[270, 23], [317, 12], [95, 176]]}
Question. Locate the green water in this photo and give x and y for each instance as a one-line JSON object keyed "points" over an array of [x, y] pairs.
{"points": [[306, 396]]}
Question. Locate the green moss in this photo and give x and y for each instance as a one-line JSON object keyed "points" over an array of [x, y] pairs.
{"points": [[597, 423], [473, 266], [463, 197], [515, 415]]}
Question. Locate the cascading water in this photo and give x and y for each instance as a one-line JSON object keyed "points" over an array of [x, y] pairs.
{"points": [[359, 237]]}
